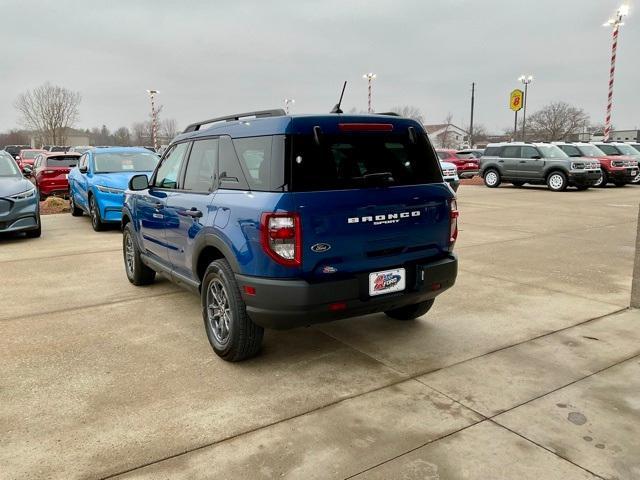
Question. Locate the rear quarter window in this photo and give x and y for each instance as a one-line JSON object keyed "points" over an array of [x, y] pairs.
{"points": [[491, 152]]}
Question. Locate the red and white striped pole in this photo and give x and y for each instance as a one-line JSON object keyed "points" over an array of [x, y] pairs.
{"points": [[369, 77], [616, 23], [154, 119]]}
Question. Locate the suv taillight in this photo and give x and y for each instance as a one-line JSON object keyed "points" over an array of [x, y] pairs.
{"points": [[281, 237], [453, 224]]}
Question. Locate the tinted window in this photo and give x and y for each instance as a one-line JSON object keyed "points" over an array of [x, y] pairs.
{"points": [[349, 161], [442, 155], [609, 149], [8, 167], [255, 158], [201, 169], [62, 161], [167, 175], [510, 151], [124, 162], [570, 150], [529, 152], [231, 175], [590, 151], [491, 151]]}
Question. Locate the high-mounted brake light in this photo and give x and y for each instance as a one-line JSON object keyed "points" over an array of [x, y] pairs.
{"points": [[365, 127], [281, 237], [453, 224]]}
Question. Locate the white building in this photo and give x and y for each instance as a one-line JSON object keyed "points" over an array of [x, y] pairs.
{"points": [[447, 135]]}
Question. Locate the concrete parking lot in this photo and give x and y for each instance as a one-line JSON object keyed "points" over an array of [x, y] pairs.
{"points": [[529, 368]]}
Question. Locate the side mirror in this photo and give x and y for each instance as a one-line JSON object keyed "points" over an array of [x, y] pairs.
{"points": [[536, 157], [17, 157], [83, 169], [138, 182]]}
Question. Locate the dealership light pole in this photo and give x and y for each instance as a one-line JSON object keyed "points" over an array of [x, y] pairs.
{"points": [[287, 102], [369, 77], [526, 80], [154, 119], [473, 99], [615, 22]]}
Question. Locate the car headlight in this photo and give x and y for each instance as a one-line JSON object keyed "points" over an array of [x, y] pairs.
{"points": [[26, 194], [617, 163], [577, 165], [104, 189]]}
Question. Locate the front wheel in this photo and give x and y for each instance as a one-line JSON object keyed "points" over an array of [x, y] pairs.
{"points": [[636, 180], [557, 181], [231, 333], [75, 211], [96, 222], [602, 181], [137, 272], [492, 178], [410, 312]]}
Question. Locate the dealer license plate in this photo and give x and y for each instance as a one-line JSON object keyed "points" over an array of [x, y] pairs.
{"points": [[388, 281]]}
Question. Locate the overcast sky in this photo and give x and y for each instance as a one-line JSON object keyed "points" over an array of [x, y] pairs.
{"points": [[211, 58]]}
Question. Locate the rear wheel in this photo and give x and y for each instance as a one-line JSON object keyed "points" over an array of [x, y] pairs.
{"points": [[557, 181], [137, 272], [96, 222], [636, 180], [75, 211], [410, 312], [492, 178], [231, 333]]}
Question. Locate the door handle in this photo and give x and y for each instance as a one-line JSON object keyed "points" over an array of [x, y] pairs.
{"points": [[500, 161], [523, 161], [193, 213]]}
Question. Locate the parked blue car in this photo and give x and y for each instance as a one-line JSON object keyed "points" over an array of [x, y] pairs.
{"points": [[97, 184]]}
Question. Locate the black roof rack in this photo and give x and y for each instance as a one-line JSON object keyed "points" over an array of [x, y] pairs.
{"points": [[393, 114], [277, 112]]}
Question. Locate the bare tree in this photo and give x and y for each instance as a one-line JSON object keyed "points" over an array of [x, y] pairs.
{"points": [[49, 110], [480, 133], [141, 133], [556, 121], [169, 128], [446, 138], [122, 137], [409, 111]]}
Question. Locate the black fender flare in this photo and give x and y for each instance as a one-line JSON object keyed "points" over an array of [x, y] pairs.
{"points": [[211, 240]]}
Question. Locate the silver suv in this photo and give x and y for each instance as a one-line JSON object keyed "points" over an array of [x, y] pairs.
{"points": [[538, 164]]}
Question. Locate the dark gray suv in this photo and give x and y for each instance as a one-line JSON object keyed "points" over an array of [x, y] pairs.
{"points": [[538, 164]]}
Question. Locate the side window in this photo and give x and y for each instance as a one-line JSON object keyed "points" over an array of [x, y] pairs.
{"points": [[510, 151], [529, 152], [571, 150], [231, 175], [202, 167], [491, 152], [169, 170], [83, 161], [255, 157]]}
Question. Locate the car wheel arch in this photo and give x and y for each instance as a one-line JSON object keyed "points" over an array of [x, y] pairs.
{"points": [[210, 247]]}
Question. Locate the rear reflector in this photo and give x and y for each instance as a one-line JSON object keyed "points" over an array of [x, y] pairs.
{"points": [[249, 290], [365, 127], [334, 307]]}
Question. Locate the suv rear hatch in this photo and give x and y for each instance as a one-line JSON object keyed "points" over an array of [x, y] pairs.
{"points": [[370, 197]]}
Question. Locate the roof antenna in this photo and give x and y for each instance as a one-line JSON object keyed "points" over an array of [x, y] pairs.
{"points": [[337, 109]]}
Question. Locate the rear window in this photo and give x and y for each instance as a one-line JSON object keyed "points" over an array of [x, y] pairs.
{"points": [[63, 161], [359, 160], [28, 155], [491, 152]]}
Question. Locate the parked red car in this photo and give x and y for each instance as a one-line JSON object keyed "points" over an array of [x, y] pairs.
{"points": [[618, 170], [28, 156], [51, 171], [467, 167]]}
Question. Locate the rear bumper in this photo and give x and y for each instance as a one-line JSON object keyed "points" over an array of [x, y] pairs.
{"points": [[54, 187], [468, 173], [584, 179], [282, 304]]}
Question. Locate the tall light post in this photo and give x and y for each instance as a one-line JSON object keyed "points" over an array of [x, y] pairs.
{"points": [[287, 102], [369, 77], [526, 80], [154, 119], [615, 22]]}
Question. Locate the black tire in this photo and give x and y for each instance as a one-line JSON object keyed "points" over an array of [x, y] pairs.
{"points": [[410, 312], [36, 233], [602, 182], [96, 222], [517, 184], [489, 179], [233, 336], [75, 211], [557, 181], [137, 272]]}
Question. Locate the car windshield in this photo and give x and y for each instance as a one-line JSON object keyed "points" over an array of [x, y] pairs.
{"points": [[628, 150], [8, 167], [125, 162], [591, 151], [551, 151], [29, 154], [610, 150], [62, 161]]}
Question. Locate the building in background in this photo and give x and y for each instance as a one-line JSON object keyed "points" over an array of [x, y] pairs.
{"points": [[447, 135]]}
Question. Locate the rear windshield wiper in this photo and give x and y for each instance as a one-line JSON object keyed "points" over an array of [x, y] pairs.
{"points": [[378, 178]]}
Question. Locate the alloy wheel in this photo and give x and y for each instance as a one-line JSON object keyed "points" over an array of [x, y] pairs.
{"points": [[491, 178], [556, 181], [218, 311], [129, 254]]}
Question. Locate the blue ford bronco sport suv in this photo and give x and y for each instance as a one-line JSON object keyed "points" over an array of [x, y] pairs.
{"points": [[279, 221]]}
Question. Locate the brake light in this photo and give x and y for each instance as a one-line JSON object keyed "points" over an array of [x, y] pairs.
{"points": [[365, 127], [281, 237], [453, 224]]}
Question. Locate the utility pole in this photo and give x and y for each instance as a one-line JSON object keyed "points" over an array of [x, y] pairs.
{"points": [[473, 96], [526, 80], [616, 23], [369, 77], [154, 119]]}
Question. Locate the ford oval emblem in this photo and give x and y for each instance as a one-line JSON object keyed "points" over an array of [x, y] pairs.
{"points": [[320, 247]]}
